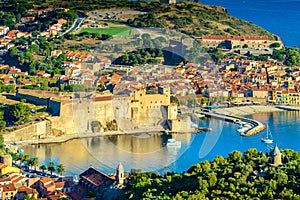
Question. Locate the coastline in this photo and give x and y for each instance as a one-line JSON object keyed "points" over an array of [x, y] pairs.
{"points": [[247, 110], [234, 111], [65, 138]]}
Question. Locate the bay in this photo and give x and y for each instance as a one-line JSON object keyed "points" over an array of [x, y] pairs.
{"points": [[146, 152]]}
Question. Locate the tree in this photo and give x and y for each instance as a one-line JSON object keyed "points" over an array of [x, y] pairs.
{"points": [[1, 141], [51, 167], [275, 45], [43, 168], [34, 162], [90, 194], [18, 113], [235, 156], [60, 169]]}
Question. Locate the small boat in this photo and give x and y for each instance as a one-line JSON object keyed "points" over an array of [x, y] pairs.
{"points": [[242, 130], [268, 139], [200, 115], [173, 143]]}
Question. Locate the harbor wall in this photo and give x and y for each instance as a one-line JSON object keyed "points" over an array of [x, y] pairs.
{"points": [[38, 130]]}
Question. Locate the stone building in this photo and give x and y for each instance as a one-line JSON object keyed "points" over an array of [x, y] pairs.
{"points": [[99, 183], [146, 109], [120, 175], [232, 42], [276, 157]]}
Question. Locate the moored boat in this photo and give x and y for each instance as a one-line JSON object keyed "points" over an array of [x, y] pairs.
{"points": [[268, 139], [173, 143]]}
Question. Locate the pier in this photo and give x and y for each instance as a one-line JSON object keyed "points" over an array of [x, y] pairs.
{"points": [[256, 125]]}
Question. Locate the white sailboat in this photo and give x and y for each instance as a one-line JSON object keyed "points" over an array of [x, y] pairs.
{"points": [[268, 139], [173, 143]]}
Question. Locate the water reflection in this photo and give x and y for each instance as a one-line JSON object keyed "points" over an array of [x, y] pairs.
{"points": [[147, 152], [141, 151]]}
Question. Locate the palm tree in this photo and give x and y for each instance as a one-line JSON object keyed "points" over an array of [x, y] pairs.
{"points": [[43, 168], [61, 169], [51, 167], [34, 162]]}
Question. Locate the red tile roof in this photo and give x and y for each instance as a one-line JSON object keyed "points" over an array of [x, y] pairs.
{"points": [[227, 37], [8, 188], [96, 178]]}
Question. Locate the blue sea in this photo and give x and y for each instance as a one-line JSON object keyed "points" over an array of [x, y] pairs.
{"points": [[281, 17], [146, 152]]}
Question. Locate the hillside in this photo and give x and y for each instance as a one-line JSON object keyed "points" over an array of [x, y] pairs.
{"points": [[192, 18], [239, 176]]}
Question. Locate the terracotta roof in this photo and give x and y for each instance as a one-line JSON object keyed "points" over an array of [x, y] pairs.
{"points": [[103, 98], [8, 188], [96, 178], [26, 190], [2, 166], [59, 184], [227, 37], [45, 180], [115, 78]]}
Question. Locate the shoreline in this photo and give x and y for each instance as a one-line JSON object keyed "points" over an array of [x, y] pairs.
{"points": [[233, 111], [248, 110], [66, 138]]}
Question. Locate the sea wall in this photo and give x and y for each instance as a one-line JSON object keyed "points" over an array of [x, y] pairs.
{"points": [[38, 130]]}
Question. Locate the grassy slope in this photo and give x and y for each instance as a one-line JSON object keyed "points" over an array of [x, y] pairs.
{"points": [[193, 18], [107, 31]]}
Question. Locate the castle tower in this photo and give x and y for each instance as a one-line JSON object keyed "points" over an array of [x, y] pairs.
{"points": [[120, 174], [276, 156]]}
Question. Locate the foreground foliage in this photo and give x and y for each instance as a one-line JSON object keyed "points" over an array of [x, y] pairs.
{"points": [[239, 176]]}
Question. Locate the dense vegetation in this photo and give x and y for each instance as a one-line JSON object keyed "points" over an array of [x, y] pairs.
{"points": [[147, 52], [196, 19], [290, 56], [14, 114], [238, 176], [192, 18], [35, 58], [15, 9]]}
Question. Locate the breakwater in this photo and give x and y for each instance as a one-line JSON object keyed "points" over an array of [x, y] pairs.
{"points": [[256, 125]]}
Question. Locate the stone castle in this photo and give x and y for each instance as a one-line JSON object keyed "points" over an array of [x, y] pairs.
{"points": [[73, 113]]}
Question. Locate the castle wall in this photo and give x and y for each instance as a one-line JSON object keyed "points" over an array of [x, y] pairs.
{"points": [[33, 131]]}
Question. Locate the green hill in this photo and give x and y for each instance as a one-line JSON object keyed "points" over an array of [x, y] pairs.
{"points": [[192, 18], [240, 176]]}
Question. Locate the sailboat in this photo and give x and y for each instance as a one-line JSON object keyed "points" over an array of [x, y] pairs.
{"points": [[268, 139]]}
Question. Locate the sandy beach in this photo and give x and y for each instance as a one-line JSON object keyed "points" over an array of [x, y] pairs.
{"points": [[247, 110]]}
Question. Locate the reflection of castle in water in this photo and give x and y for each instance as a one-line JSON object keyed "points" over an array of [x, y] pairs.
{"points": [[145, 143], [139, 143]]}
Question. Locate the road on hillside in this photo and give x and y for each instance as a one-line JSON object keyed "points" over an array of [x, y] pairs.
{"points": [[75, 25]]}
